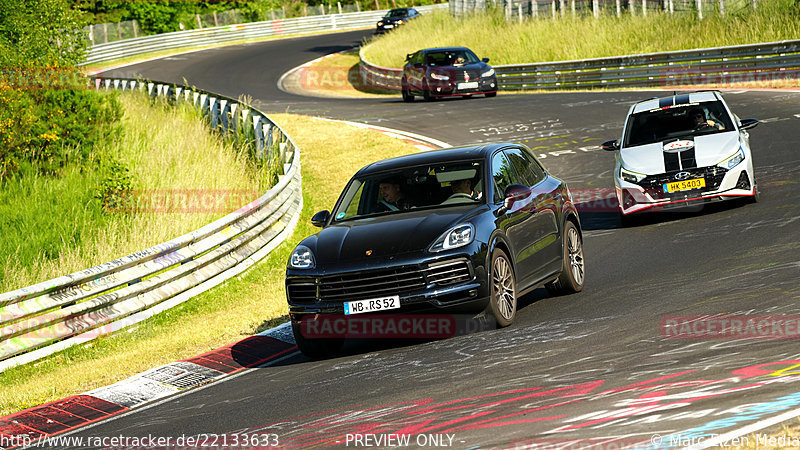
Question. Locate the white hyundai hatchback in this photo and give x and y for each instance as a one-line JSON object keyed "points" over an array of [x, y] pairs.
{"points": [[681, 151]]}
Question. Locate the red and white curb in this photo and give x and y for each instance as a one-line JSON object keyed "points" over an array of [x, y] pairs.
{"points": [[28, 426]]}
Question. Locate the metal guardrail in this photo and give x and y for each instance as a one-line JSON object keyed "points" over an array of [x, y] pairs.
{"points": [[753, 62], [38, 320], [238, 33]]}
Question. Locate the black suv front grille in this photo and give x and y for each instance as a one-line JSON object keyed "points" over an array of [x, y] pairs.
{"points": [[654, 184], [370, 284], [376, 283]]}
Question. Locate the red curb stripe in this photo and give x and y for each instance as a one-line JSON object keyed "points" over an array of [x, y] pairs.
{"points": [[40, 423], [80, 410], [84, 406], [11, 430], [56, 417], [207, 361]]}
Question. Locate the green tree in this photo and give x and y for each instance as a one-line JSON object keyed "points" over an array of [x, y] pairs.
{"points": [[41, 33]]}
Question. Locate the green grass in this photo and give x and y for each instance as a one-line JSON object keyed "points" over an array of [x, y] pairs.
{"points": [[32, 212], [240, 307], [54, 225], [543, 39]]}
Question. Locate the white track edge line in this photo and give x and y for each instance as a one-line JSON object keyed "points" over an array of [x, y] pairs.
{"points": [[753, 427]]}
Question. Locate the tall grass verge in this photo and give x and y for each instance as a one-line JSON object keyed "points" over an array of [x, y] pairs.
{"points": [[57, 225], [536, 40], [240, 307]]}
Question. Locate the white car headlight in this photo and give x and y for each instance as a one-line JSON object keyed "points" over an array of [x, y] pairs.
{"points": [[439, 76], [732, 161], [488, 73], [302, 258], [630, 177], [455, 237]]}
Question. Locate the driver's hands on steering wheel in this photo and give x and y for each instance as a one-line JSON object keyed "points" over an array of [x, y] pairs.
{"points": [[705, 124]]}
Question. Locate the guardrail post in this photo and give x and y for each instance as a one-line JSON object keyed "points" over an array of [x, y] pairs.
{"points": [[212, 112], [223, 114], [259, 135], [722, 8], [700, 9], [203, 104], [178, 93], [267, 130], [243, 124], [287, 156], [150, 87], [234, 118], [644, 8]]}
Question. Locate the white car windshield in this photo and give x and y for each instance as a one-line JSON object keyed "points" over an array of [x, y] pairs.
{"points": [[430, 186], [677, 121]]}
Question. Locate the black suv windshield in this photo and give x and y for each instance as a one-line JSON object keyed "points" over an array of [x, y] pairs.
{"points": [[677, 121], [429, 186]]}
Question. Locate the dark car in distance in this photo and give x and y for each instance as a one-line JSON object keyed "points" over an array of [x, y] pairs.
{"points": [[446, 71], [394, 18], [463, 231]]}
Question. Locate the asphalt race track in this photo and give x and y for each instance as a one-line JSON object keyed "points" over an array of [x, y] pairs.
{"points": [[594, 367]]}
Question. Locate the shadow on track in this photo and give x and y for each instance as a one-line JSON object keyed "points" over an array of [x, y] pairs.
{"points": [[593, 219]]}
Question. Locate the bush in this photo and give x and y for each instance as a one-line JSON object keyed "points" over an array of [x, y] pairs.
{"points": [[47, 127], [115, 187]]}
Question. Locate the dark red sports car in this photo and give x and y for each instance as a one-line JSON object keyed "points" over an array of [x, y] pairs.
{"points": [[447, 71]]}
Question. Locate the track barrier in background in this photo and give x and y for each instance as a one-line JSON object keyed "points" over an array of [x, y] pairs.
{"points": [[238, 33], [767, 62]]}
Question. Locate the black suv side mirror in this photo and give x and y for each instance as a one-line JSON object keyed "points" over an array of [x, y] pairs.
{"points": [[513, 193], [486, 60], [321, 218], [610, 145]]}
